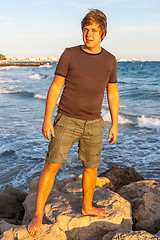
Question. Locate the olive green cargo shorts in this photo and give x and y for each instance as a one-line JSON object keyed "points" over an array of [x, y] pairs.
{"points": [[68, 130]]}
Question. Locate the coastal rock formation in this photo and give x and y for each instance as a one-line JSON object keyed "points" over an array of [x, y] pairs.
{"points": [[144, 197], [47, 232], [5, 226], [11, 207], [130, 235], [101, 182], [64, 208], [63, 219], [121, 176]]}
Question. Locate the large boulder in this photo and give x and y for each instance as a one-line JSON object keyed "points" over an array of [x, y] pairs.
{"points": [[64, 209], [101, 182], [121, 176], [11, 207], [130, 235], [5, 226], [144, 197], [47, 232]]}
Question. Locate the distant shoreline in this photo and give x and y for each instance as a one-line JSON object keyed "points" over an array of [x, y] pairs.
{"points": [[6, 63], [36, 63], [24, 63]]}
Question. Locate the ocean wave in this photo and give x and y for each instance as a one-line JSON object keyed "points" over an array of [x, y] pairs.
{"points": [[36, 76], [6, 149], [19, 93], [47, 65], [7, 152], [24, 94], [9, 67], [7, 92], [123, 106], [40, 96], [9, 81], [121, 119], [122, 82], [148, 122]]}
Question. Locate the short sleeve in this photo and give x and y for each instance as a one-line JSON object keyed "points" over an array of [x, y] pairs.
{"points": [[113, 76], [63, 64]]}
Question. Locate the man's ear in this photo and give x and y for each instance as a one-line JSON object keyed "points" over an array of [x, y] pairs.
{"points": [[103, 36]]}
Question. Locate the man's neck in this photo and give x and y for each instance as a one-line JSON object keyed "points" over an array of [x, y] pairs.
{"points": [[92, 50]]}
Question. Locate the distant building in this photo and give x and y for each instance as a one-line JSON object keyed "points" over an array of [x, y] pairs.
{"points": [[122, 60], [9, 58], [53, 59], [20, 59]]}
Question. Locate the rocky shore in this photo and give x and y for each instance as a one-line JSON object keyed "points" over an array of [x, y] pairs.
{"points": [[133, 204]]}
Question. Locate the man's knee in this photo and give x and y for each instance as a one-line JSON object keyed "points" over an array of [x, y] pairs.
{"points": [[52, 167], [90, 170]]}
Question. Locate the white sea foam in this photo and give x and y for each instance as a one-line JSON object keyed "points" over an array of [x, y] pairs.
{"points": [[35, 76], [5, 91], [9, 67], [40, 96], [123, 106], [9, 81], [46, 65], [148, 122], [121, 120]]}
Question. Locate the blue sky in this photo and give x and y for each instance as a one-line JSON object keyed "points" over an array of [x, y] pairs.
{"points": [[43, 28]]}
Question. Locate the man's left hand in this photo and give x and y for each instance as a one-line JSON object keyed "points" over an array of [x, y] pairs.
{"points": [[113, 134]]}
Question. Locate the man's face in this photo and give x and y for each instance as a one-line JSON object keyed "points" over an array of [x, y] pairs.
{"points": [[92, 37]]}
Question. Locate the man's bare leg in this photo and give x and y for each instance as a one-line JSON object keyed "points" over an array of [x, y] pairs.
{"points": [[44, 188], [88, 184]]}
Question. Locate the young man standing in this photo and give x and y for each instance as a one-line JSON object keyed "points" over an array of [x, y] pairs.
{"points": [[86, 71]]}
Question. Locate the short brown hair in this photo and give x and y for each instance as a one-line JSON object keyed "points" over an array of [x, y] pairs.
{"points": [[97, 17]]}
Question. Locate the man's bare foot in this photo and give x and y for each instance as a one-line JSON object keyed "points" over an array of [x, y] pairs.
{"points": [[34, 226], [100, 212]]}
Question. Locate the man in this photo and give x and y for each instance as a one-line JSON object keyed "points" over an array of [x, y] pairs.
{"points": [[86, 71]]}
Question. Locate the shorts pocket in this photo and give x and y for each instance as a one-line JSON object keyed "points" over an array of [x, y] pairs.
{"points": [[57, 119]]}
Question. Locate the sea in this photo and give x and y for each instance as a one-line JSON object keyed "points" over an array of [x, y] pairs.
{"points": [[23, 148]]}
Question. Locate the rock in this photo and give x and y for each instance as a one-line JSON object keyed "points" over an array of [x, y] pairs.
{"points": [[30, 207], [11, 207], [158, 234], [144, 197], [31, 198], [4, 226], [121, 176], [102, 182], [64, 209], [130, 235], [47, 232], [34, 185]]}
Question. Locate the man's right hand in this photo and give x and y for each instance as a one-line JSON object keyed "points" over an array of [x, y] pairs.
{"points": [[47, 128]]}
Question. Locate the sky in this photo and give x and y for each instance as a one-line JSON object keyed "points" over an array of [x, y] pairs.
{"points": [[44, 28]]}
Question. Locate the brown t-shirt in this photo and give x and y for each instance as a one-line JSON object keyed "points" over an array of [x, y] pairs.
{"points": [[86, 77]]}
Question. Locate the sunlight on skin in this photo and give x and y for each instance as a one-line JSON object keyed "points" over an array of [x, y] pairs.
{"points": [[35, 226], [99, 212]]}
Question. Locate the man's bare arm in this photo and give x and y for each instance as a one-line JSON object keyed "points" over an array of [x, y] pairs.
{"points": [[113, 102], [52, 98]]}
